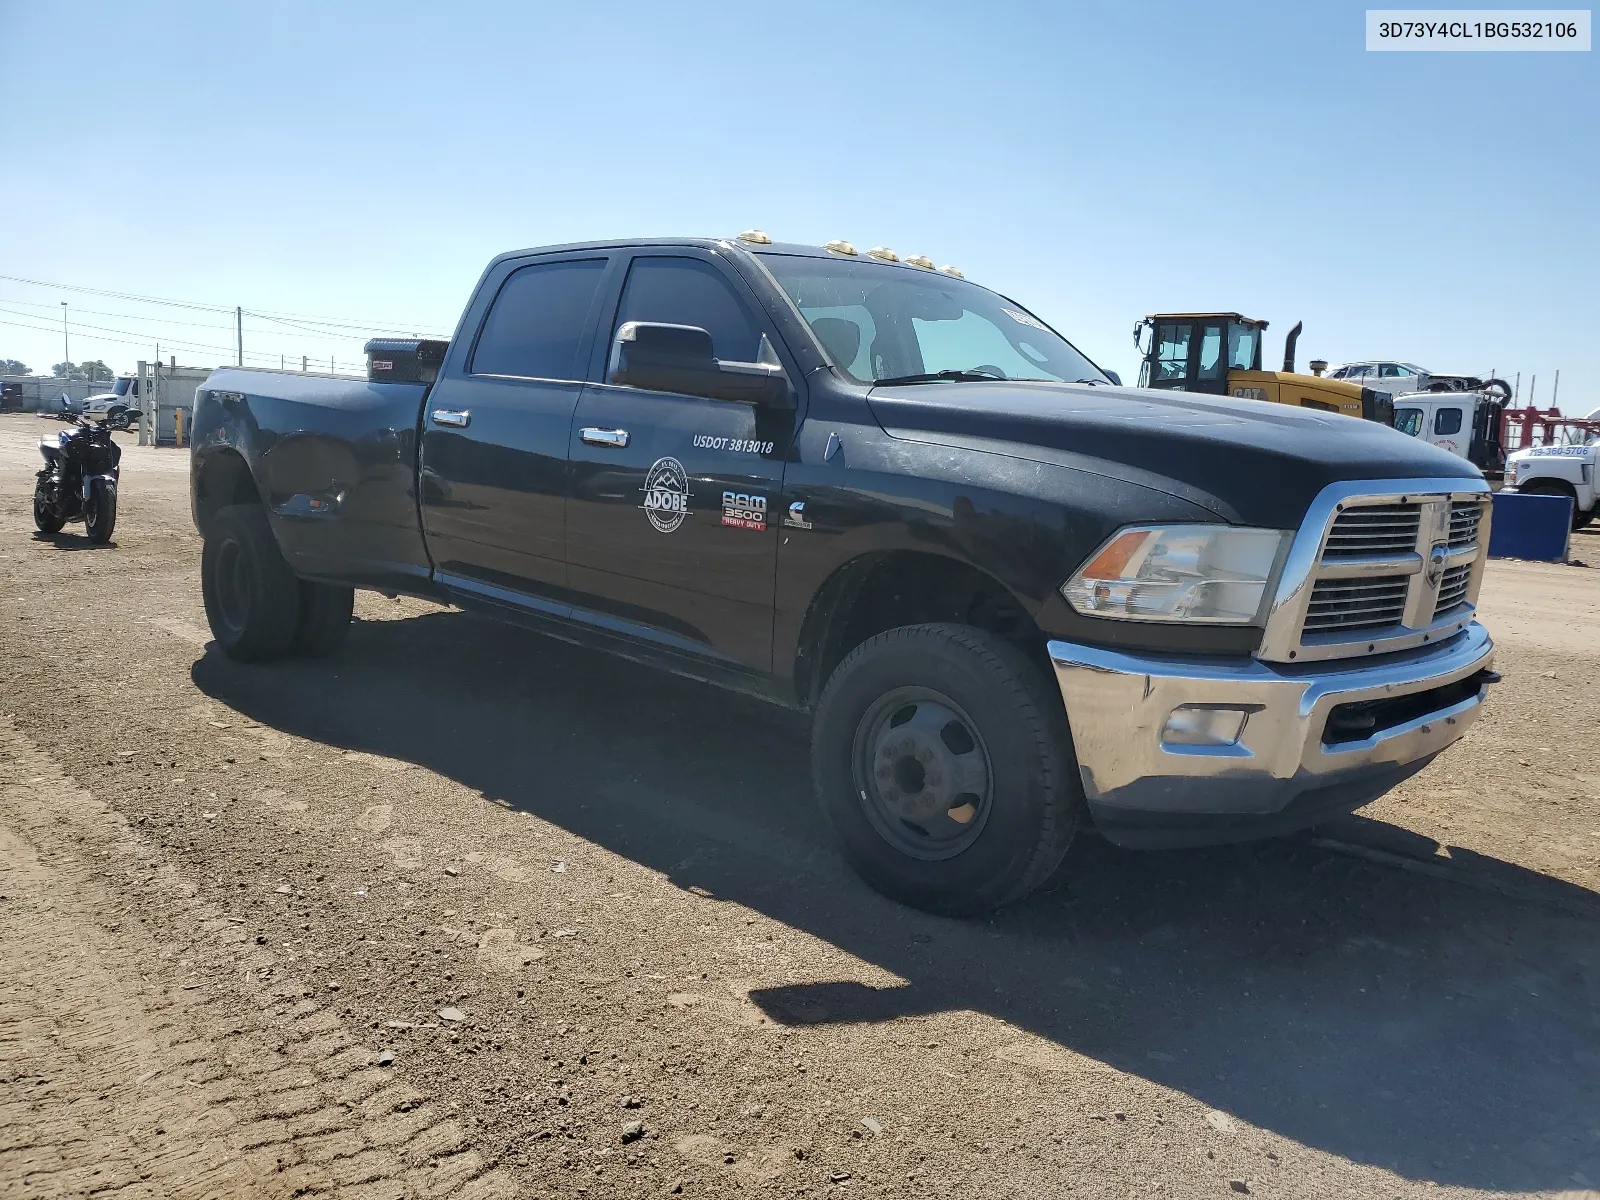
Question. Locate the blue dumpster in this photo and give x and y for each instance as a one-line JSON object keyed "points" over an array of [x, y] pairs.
{"points": [[1531, 526]]}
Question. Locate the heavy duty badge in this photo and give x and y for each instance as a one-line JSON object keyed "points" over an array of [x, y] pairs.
{"points": [[744, 511], [666, 494]]}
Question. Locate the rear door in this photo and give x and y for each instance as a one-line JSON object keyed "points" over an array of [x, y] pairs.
{"points": [[495, 429], [673, 513]]}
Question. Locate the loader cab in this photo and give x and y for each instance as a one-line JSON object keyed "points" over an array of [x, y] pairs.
{"points": [[1193, 352]]}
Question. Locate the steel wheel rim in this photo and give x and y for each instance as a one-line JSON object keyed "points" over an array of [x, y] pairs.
{"points": [[922, 773], [232, 594]]}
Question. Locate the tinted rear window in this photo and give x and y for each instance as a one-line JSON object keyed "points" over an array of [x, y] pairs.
{"points": [[537, 321]]}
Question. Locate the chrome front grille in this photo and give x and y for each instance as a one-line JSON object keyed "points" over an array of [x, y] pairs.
{"points": [[1357, 603], [1465, 516], [1453, 588], [1379, 529], [1380, 566]]}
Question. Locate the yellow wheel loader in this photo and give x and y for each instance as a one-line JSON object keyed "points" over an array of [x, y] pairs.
{"points": [[1220, 353]]}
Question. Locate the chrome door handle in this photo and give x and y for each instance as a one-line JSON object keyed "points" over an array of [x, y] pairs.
{"points": [[459, 418], [617, 438]]}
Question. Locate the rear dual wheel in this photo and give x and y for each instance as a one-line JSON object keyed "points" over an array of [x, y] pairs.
{"points": [[942, 759], [257, 608]]}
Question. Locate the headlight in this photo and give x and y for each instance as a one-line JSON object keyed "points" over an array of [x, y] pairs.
{"points": [[1203, 573]]}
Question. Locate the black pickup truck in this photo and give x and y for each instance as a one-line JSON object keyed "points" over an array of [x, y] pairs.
{"points": [[1013, 594]]}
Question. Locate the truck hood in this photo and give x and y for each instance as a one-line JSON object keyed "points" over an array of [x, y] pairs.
{"points": [[1248, 461]]}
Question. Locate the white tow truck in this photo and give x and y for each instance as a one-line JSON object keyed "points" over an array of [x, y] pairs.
{"points": [[1467, 424], [1565, 467]]}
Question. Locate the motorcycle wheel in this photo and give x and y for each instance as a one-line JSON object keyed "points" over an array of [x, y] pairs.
{"points": [[100, 517], [44, 517]]}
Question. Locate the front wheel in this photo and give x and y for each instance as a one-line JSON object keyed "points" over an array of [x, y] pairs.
{"points": [[44, 514], [100, 516], [942, 759]]}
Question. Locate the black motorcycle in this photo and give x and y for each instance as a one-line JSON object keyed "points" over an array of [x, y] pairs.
{"points": [[79, 481]]}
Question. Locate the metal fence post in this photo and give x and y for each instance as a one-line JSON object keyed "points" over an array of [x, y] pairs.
{"points": [[146, 407]]}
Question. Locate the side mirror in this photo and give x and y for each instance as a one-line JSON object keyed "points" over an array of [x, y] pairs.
{"points": [[1111, 375], [678, 358]]}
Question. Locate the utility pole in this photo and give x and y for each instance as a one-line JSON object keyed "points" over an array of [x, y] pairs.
{"points": [[280, 362], [238, 325], [1555, 391], [302, 364], [66, 349]]}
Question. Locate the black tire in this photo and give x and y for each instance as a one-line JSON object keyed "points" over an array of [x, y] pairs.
{"points": [[100, 514], [44, 520], [997, 700], [325, 611], [252, 598]]}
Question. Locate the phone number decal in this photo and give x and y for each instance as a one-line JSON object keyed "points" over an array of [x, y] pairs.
{"points": [[1478, 29]]}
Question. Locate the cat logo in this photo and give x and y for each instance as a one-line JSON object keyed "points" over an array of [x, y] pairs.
{"points": [[666, 494]]}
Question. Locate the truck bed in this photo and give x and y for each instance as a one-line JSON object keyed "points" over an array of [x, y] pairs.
{"points": [[335, 459]]}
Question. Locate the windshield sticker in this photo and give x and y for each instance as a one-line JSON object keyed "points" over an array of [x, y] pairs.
{"points": [[666, 494], [742, 511], [704, 441], [1022, 318]]}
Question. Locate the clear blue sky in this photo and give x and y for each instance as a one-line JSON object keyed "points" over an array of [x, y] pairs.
{"points": [[1095, 161]]}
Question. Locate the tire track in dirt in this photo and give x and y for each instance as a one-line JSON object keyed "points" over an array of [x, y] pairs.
{"points": [[150, 1047]]}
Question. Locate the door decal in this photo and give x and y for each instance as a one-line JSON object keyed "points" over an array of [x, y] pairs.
{"points": [[666, 494]]}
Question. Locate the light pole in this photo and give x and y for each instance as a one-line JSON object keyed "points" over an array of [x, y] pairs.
{"points": [[66, 349]]}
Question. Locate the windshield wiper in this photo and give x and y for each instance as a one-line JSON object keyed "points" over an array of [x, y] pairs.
{"points": [[941, 376]]}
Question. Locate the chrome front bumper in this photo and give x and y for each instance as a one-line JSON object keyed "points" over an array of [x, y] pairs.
{"points": [[1146, 786]]}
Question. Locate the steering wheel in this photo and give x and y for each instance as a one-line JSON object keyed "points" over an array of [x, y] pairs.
{"points": [[988, 369]]}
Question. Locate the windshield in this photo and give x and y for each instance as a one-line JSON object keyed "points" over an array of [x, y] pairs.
{"points": [[123, 385], [881, 324], [1243, 342]]}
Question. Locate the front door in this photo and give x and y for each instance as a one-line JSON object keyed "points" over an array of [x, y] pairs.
{"points": [[1451, 430], [495, 430], [674, 504]]}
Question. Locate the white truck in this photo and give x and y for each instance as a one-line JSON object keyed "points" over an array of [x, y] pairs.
{"points": [[1566, 468], [1467, 424]]}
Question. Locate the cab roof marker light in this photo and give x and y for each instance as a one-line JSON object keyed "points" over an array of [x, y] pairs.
{"points": [[883, 254], [947, 269], [919, 260], [840, 247], [755, 237]]}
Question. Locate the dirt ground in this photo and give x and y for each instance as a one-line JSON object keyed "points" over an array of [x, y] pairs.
{"points": [[467, 913]]}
